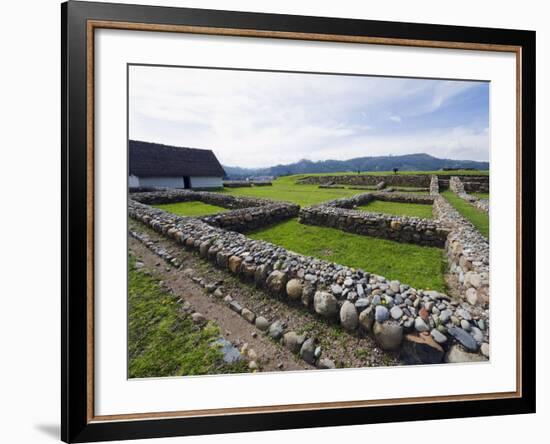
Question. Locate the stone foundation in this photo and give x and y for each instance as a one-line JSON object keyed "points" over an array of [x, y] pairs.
{"points": [[247, 213], [457, 186], [341, 214], [398, 316]]}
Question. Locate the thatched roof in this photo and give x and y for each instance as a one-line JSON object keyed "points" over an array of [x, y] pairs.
{"points": [[154, 159]]}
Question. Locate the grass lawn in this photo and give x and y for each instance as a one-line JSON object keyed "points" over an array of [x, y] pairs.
{"points": [[192, 208], [398, 209], [420, 267], [162, 343], [286, 189], [480, 195], [475, 216]]}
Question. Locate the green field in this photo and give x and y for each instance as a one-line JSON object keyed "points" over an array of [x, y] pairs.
{"points": [[480, 195], [479, 218], [286, 189], [398, 209], [192, 208], [163, 342], [420, 267]]}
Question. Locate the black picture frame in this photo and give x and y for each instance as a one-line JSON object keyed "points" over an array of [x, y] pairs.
{"points": [[76, 423]]}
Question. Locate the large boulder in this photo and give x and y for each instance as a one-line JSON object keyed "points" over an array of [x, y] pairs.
{"points": [[464, 338], [294, 289], [276, 282], [388, 335], [234, 264], [348, 316], [421, 349], [325, 304], [457, 353], [366, 318]]}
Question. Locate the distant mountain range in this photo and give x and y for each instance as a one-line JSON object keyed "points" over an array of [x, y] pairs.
{"points": [[408, 162]]}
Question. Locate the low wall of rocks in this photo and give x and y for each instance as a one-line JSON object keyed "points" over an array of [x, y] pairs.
{"points": [[340, 214], [467, 252], [403, 180], [248, 219], [457, 186], [247, 213], [424, 326], [434, 186], [246, 183]]}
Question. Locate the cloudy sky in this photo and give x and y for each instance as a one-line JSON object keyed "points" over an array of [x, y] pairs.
{"points": [[257, 119]]}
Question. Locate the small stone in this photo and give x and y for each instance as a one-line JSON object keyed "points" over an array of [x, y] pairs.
{"points": [[381, 313], [261, 323], [465, 325], [348, 282], [218, 293], [294, 289], [396, 312], [249, 315], [336, 290], [361, 304], [307, 351], [348, 316], [276, 330], [198, 318], [235, 306], [228, 299], [420, 325], [326, 363], [210, 288], [394, 286], [485, 349], [439, 337], [252, 365], [292, 341], [471, 296], [445, 315], [317, 352]]}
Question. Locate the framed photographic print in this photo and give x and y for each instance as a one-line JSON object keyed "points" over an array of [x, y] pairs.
{"points": [[275, 221]]}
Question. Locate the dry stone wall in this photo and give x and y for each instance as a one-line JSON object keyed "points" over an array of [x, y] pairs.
{"points": [[457, 186], [403, 180], [467, 252], [425, 326], [341, 214], [247, 213]]}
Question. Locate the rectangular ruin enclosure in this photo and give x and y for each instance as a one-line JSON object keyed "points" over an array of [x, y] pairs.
{"points": [[353, 215]]}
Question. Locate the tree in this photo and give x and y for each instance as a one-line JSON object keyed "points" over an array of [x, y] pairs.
{"points": [[395, 170]]}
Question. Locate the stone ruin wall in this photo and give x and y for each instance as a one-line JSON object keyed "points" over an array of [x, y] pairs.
{"points": [[341, 214], [403, 180], [398, 316], [457, 186], [246, 213]]}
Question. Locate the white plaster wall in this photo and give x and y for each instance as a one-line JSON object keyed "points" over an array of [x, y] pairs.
{"points": [[206, 182], [165, 182], [133, 181]]}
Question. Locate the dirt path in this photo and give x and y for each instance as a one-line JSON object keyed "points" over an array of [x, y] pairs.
{"points": [[345, 349], [236, 329]]}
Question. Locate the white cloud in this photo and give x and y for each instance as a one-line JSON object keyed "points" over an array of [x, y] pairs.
{"points": [[257, 119]]}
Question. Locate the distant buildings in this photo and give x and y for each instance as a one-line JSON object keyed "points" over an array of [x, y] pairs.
{"points": [[156, 165]]}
